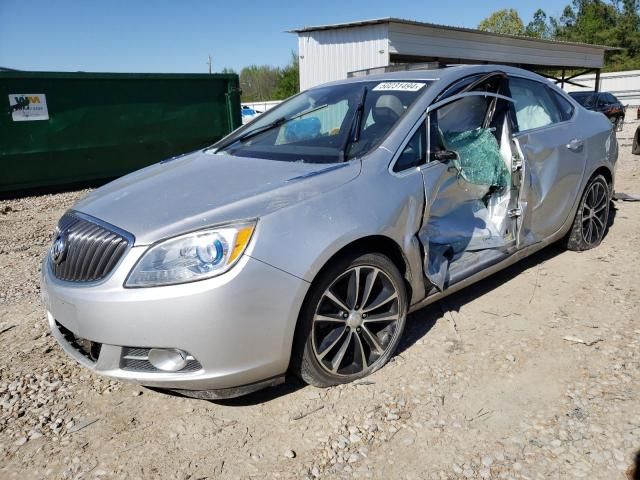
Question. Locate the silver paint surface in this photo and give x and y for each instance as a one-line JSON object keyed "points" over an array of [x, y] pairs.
{"points": [[240, 325]]}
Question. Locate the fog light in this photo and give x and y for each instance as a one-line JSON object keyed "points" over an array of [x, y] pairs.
{"points": [[169, 360]]}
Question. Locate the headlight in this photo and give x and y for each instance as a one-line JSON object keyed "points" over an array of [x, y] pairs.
{"points": [[194, 256]]}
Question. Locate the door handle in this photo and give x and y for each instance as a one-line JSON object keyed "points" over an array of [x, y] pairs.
{"points": [[575, 144]]}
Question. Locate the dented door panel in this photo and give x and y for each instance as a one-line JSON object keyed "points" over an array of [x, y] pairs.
{"points": [[553, 177], [467, 215]]}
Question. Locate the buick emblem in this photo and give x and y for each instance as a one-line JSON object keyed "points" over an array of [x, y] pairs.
{"points": [[58, 249]]}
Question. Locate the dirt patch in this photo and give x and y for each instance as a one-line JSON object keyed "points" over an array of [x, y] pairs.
{"points": [[506, 396]]}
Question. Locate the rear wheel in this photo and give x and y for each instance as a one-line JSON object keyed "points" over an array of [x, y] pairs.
{"points": [[590, 222], [635, 149], [351, 322]]}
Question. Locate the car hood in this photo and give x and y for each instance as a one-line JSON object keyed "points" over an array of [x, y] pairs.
{"points": [[200, 189]]}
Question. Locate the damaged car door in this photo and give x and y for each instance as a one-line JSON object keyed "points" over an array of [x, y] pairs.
{"points": [[471, 182], [554, 151]]}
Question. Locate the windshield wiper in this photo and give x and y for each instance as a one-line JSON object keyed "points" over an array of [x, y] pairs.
{"points": [[353, 134], [278, 122], [307, 112]]}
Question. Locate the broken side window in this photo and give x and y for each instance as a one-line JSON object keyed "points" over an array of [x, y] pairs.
{"points": [[462, 128]]}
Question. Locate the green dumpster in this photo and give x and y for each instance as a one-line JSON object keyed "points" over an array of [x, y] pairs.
{"points": [[64, 128]]}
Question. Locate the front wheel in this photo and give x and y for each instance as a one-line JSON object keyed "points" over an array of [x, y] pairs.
{"points": [[352, 321], [590, 222]]}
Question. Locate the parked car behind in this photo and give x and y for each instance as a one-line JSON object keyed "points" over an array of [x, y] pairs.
{"points": [[300, 242], [603, 102], [248, 114]]}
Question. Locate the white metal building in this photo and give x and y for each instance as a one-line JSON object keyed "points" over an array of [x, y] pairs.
{"points": [[332, 52]]}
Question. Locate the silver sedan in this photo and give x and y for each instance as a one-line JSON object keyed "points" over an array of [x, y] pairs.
{"points": [[300, 242]]}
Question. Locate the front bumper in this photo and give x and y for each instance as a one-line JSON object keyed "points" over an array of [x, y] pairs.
{"points": [[238, 326]]}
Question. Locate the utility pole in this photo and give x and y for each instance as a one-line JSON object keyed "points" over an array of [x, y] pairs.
{"points": [[209, 63]]}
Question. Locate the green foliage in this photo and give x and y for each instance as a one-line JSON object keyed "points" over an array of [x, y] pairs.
{"points": [[539, 27], [615, 23], [505, 21], [258, 82], [288, 80], [263, 82]]}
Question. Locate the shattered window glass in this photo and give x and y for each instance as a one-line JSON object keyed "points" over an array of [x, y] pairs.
{"points": [[479, 160], [477, 153]]}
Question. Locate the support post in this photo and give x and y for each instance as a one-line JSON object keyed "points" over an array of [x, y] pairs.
{"points": [[597, 87], [562, 80]]}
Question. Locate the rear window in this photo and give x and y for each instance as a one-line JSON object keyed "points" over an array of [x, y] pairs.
{"points": [[584, 99], [566, 109]]}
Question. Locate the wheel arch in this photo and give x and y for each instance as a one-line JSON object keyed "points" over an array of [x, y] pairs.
{"points": [[606, 173], [363, 245], [374, 244]]}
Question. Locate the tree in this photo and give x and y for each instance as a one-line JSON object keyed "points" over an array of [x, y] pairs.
{"points": [[227, 70], [615, 23], [258, 82], [288, 79], [540, 26], [505, 21]]}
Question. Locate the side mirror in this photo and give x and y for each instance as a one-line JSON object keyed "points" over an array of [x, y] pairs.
{"points": [[444, 155]]}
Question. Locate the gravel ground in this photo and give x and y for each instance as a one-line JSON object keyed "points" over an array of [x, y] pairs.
{"points": [[533, 373]]}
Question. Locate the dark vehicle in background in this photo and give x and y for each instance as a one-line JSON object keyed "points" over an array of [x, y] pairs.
{"points": [[603, 102]]}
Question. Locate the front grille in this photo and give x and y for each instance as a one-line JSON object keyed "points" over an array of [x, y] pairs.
{"points": [[87, 348], [136, 360], [91, 249]]}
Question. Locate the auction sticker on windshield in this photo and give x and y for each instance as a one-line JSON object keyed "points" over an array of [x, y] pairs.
{"points": [[399, 86]]}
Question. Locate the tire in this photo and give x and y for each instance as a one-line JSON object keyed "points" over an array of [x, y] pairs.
{"points": [[337, 339], [591, 220], [614, 121], [635, 149]]}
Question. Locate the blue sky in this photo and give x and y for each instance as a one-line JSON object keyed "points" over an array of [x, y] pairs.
{"points": [[177, 36]]}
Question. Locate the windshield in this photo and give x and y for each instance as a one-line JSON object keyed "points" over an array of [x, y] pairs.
{"points": [[326, 124]]}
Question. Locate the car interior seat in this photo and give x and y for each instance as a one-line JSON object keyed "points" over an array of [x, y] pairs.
{"points": [[385, 113]]}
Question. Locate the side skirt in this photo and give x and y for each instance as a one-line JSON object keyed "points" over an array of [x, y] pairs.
{"points": [[476, 277]]}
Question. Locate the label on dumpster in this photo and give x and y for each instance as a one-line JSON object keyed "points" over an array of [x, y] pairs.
{"points": [[28, 106], [399, 86]]}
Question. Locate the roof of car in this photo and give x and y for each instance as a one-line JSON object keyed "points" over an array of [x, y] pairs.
{"points": [[448, 73]]}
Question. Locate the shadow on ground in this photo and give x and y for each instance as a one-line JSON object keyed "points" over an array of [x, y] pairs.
{"points": [[421, 321]]}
